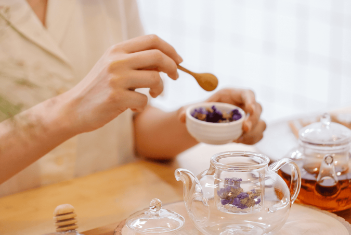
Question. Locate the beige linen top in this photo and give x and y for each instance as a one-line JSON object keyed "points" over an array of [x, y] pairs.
{"points": [[37, 63]]}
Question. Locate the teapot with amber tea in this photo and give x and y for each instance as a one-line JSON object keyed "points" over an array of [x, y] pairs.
{"points": [[323, 156]]}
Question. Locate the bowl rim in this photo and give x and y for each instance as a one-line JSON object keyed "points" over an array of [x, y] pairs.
{"points": [[201, 105]]}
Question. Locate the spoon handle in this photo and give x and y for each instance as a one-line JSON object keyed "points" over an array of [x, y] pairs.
{"points": [[184, 69]]}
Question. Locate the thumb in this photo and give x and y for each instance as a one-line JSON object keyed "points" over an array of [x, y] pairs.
{"points": [[247, 125], [181, 115]]}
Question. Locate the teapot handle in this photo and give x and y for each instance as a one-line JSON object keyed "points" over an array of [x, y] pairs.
{"points": [[295, 173]]}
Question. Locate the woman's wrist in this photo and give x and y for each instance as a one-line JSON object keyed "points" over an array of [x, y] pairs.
{"points": [[56, 117]]}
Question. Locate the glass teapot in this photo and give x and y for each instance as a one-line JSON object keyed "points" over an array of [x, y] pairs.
{"points": [[323, 154], [239, 194]]}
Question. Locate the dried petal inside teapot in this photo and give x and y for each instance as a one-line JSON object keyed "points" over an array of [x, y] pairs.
{"points": [[234, 199]]}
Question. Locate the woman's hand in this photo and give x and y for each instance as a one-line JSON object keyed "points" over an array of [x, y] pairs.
{"points": [[108, 89], [253, 126]]}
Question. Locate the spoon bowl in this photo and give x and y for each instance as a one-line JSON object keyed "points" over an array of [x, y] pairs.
{"points": [[207, 81]]}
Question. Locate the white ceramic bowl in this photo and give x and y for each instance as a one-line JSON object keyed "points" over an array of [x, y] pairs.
{"points": [[214, 133]]}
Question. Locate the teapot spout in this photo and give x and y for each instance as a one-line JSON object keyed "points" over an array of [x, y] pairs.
{"points": [[191, 185]]}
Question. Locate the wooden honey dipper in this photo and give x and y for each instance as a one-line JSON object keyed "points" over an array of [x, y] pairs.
{"points": [[65, 218]]}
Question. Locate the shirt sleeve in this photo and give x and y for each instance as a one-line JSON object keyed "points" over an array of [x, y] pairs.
{"points": [[133, 21]]}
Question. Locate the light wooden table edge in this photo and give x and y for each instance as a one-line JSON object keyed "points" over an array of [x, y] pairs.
{"points": [[111, 229]]}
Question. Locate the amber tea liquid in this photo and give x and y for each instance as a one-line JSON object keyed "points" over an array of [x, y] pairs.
{"points": [[327, 197]]}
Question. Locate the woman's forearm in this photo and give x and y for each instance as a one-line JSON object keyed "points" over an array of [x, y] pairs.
{"points": [[31, 134], [161, 135]]}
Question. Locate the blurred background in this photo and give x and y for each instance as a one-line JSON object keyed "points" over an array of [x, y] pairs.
{"points": [[294, 54]]}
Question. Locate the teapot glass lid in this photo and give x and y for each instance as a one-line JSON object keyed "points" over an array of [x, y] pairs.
{"points": [[325, 132], [155, 219]]}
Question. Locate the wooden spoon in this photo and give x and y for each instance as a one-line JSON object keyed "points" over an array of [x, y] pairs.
{"points": [[207, 81]]}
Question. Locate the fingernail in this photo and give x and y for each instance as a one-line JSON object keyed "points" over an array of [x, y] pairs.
{"points": [[248, 126], [180, 59]]}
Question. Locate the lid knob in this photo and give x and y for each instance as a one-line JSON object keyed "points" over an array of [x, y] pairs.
{"points": [[155, 205], [325, 120]]}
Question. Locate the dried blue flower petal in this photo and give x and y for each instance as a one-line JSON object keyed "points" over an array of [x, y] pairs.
{"points": [[233, 181], [243, 195], [236, 116], [216, 116], [233, 194], [235, 111], [225, 201]]}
